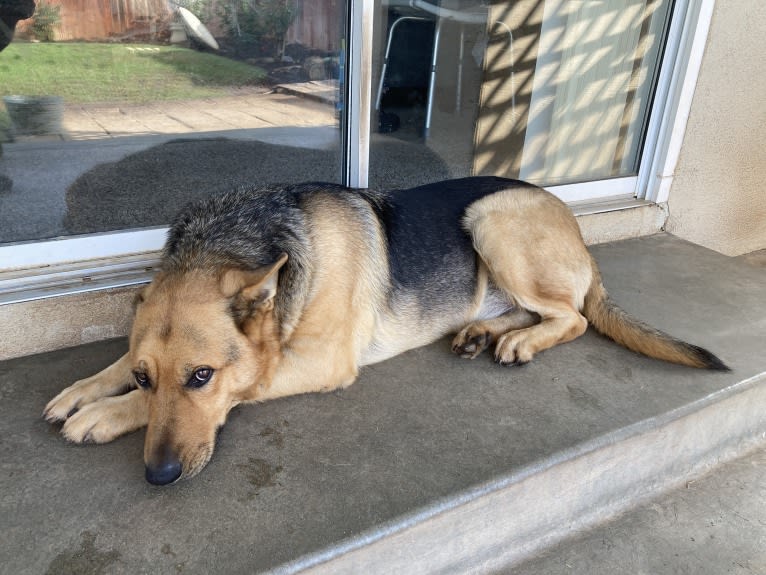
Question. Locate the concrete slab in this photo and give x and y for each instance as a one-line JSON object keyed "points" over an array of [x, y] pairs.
{"points": [[325, 91], [714, 525], [248, 110], [116, 121], [303, 480]]}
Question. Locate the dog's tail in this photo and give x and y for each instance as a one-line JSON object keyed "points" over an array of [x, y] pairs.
{"points": [[612, 321]]}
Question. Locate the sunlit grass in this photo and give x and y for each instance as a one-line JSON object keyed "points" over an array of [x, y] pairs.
{"points": [[124, 73]]}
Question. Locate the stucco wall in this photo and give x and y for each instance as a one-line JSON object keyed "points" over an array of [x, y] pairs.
{"points": [[718, 195], [65, 321]]}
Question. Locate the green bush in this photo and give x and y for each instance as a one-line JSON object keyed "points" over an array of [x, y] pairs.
{"points": [[263, 22], [46, 18]]}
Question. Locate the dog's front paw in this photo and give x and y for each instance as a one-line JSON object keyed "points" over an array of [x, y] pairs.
{"points": [[88, 425], [113, 380], [66, 403], [471, 341], [107, 419]]}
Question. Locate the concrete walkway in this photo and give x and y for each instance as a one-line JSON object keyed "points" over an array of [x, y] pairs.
{"points": [[299, 106], [429, 463], [715, 524]]}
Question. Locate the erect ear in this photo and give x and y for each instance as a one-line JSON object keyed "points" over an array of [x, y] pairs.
{"points": [[145, 292], [253, 287], [265, 288], [139, 298]]}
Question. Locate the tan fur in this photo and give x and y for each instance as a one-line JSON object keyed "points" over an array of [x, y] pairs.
{"points": [[531, 244], [607, 318], [536, 285]]}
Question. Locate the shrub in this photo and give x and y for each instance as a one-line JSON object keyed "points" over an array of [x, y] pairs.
{"points": [[264, 22], [44, 21]]}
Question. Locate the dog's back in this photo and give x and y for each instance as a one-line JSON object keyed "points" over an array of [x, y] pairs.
{"points": [[430, 253]]}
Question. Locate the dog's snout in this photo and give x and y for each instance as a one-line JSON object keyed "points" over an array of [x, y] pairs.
{"points": [[164, 472]]}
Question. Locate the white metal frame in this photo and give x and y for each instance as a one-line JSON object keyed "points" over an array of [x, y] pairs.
{"points": [[358, 94], [596, 190], [678, 79], [30, 255], [665, 132]]}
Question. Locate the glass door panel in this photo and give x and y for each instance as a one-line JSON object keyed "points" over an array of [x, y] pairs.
{"points": [[553, 91], [112, 119]]}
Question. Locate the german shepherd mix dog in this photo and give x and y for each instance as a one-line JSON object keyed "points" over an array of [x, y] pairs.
{"points": [[271, 291]]}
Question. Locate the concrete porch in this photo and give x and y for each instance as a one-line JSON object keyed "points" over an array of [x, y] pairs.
{"points": [[429, 463]]}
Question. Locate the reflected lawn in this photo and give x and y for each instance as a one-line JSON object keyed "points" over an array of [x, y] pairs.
{"points": [[124, 73]]}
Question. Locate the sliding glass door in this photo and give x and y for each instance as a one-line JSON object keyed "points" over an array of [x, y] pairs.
{"points": [[553, 91], [111, 121]]}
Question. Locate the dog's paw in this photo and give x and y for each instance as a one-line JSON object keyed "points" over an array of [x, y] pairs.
{"points": [[512, 349], [89, 425], [471, 341], [115, 379], [66, 403], [106, 419]]}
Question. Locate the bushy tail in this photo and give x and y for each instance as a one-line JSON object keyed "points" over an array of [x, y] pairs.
{"points": [[612, 321]]}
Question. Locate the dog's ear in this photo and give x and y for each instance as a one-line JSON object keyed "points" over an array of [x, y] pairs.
{"points": [[143, 293], [138, 299], [251, 289]]}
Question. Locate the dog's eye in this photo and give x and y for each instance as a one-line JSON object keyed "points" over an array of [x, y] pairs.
{"points": [[200, 377], [142, 379]]}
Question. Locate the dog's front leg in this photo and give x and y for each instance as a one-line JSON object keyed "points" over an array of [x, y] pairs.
{"points": [[108, 418], [310, 370], [110, 381]]}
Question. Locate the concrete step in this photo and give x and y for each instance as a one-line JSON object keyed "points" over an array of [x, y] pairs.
{"points": [[428, 464], [713, 525]]}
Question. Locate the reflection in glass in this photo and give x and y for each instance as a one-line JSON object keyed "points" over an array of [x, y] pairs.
{"points": [[551, 91], [113, 118]]}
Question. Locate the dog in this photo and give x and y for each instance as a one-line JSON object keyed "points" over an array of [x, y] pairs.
{"points": [[265, 292]]}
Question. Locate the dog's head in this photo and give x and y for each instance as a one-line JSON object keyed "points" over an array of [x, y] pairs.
{"points": [[202, 342]]}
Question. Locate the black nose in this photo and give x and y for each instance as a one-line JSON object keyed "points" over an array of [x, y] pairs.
{"points": [[167, 471]]}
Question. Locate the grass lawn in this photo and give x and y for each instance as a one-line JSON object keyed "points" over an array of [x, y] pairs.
{"points": [[124, 73]]}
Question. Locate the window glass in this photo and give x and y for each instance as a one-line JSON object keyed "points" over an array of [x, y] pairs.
{"points": [[116, 113], [551, 91]]}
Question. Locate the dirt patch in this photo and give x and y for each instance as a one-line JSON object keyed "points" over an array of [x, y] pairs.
{"points": [[260, 474], [86, 560]]}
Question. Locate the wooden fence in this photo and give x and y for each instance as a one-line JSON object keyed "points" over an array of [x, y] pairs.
{"points": [[101, 19], [318, 23]]}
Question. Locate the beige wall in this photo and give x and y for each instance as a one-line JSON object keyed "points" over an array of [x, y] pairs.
{"points": [[52, 323], [718, 195]]}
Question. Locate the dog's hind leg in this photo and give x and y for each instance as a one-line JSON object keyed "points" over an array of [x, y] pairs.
{"points": [[531, 244], [559, 325], [113, 380], [479, 335]]}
